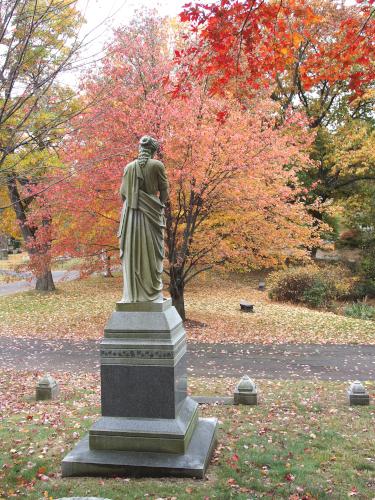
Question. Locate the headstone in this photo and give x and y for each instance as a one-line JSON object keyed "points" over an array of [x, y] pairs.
{"points": [[246, 306], [261, 286], [246, 392], [3, 254], [46, 388], [357, 394], [149, 426]]}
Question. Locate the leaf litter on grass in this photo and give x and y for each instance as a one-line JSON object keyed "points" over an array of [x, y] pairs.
{"points": [[80, 309], [300, 442]]}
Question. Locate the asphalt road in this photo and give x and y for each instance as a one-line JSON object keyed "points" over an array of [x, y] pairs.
{"points": [[285, 361], [24, 285]]}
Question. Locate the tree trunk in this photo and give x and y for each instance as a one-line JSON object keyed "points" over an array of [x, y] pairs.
{"points": [[44, 283], [176, 289], [179, 303], [107, 264]]}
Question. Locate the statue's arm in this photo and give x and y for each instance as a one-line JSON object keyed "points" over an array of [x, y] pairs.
{"points": [[163, 184]]}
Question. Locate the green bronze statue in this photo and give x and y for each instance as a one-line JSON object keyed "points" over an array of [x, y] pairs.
{"points": [[144, 191]]}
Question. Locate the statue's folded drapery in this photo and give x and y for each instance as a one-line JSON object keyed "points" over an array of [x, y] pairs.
{"points": [[141, 231]]}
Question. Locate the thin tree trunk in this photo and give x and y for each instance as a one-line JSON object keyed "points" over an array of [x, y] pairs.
{"points": [[107, 264]]}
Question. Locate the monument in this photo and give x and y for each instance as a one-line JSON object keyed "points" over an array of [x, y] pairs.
{"points": [[149, 426]]}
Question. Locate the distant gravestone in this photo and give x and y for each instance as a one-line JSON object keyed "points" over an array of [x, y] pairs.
{"points": [[261, 286], [357, 394], [3, 254], [246, 306], [46, 388], [246, 392]]}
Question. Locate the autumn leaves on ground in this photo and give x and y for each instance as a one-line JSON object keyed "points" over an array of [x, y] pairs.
{"points": [[301, 442], [79, 310]]}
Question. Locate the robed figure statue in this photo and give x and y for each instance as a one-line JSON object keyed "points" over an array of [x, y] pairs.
{"points": [[144, 191]]}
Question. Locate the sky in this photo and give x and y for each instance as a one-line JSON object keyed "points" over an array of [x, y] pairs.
{"points": [[103, 15]]}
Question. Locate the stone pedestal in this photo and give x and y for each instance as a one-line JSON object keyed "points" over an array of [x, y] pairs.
{"points": [[149, 427], [246, 392], [358, 395], [46, 388]]}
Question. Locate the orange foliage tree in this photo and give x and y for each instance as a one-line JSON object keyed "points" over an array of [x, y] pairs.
{"points": [[235, 197]]}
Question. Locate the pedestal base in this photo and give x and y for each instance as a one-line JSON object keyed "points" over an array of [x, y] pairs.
{"points": [[83, 461]]}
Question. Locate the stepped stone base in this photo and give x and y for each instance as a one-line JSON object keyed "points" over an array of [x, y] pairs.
{"points": [[149, 425], [159, 435], [83, 461]]}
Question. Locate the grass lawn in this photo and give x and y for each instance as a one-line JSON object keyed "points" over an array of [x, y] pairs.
{"points": [[302, 442], [79, 309], [13, 261]]}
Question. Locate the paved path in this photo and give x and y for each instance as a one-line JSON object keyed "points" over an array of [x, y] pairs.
{"points": [[286, 361], [24, 285]]}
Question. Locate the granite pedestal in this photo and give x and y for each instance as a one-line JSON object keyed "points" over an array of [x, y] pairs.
{"points": [[149, 426]]}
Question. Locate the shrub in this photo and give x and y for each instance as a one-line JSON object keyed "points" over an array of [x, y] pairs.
{"points": [[365, 289], [290, 284], [360, 310], [310, 285], [368, 264], [319, 294]]}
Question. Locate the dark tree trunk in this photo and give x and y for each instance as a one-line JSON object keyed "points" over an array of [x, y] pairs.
{"points": [[178, 301], [44, 283], [176, 289]]}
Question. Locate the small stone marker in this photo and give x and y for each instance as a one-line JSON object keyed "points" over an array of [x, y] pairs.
{"points": [[261, 286], [46, 388], [246, 306], [246, 392], [358, 394]]}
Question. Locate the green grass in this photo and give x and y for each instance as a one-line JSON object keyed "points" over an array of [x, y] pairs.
{"points": [[302, 441], [360, 310]]}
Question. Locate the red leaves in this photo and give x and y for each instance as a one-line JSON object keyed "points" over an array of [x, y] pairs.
{"points": [[259, 39], [263, 431], [41, 474], [353, 492], [221, 116]]}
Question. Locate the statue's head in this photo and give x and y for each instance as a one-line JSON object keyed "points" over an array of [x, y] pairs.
{"points": [[149, 144]]}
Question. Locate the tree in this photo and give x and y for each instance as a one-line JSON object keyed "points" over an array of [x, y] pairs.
{"points": [[315, 56], [307, 52], [39, 40], [233, 172], [343, 161]]}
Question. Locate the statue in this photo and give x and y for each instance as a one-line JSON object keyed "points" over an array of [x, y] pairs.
{"points": [[144, 191]]}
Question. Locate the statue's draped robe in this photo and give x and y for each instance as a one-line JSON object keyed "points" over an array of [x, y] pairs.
{"points": [[141, 230]]}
